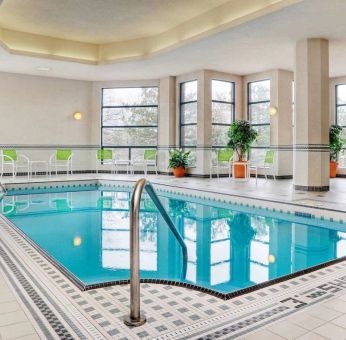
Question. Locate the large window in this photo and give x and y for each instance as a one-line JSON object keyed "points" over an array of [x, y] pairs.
{"points": [[188, 118], [341, 107], [258, 114], [222, 111], [129, 120]]}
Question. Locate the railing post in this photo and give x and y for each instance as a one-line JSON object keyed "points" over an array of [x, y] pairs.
{"points": [[135, 318]]}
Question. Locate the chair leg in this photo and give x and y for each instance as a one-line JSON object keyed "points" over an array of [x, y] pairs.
{"points": [[156, 170]]}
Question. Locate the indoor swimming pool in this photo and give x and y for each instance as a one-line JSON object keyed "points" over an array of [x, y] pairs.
{"points": [[229, 246]]}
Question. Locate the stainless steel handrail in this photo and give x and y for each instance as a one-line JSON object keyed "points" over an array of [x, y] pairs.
{"points": [[4, 191], [151, 192], [136, 318]]}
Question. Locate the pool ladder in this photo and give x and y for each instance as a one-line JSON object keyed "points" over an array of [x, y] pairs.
{"points": [[136, 318], [3, 191]]}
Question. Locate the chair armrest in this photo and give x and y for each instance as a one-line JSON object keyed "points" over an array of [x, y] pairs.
{"points": [[51, 158], [26, 158], [8, 158]]}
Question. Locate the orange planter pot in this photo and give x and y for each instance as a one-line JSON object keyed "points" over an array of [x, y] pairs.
{"points": [[239, 170], [333, 166], [179, 172]]}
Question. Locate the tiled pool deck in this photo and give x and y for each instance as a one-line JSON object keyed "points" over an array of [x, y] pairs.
{"points": [[36, 300]]}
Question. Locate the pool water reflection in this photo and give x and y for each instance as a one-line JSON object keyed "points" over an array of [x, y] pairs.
{"points": [[228, 248]]}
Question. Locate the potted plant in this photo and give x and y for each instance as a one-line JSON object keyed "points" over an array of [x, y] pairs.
{"points": [[336, 143], [241, 135], [178, 161]]}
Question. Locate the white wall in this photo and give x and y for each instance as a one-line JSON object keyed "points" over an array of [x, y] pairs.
{"points": [[37, 113]]}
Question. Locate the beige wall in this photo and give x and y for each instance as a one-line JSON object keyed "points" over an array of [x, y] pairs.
{"points": [[37, 112]]}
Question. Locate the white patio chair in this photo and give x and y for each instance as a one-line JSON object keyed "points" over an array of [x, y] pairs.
{"points": [[62, 158], [13, 160]]}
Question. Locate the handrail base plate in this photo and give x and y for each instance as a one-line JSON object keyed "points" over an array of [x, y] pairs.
{"points": [[128, 321]]}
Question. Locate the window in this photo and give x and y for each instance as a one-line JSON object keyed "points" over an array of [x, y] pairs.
{"points": [[340, 118], [188, 117], [258, 113], [222, 111], [129, 120]]}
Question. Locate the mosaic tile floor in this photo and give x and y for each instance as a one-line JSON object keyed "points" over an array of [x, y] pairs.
{"points": [[308, 307]]}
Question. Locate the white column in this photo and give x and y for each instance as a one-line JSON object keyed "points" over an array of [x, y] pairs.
{"points": [[204, 125], [281, 123], [166, 122], [311, 149]]}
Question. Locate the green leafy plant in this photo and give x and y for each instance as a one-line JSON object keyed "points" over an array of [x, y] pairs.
{"points": [[178, 158], [336, 142], [241, 135]]}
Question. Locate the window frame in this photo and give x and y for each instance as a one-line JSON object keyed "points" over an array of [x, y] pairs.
{"points": [[338, 105], [232, 103], [181, 124], [249, 103], [129, 147]]}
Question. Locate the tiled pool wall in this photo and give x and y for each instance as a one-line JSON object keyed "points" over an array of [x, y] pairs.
{"points": [[240, 202]]}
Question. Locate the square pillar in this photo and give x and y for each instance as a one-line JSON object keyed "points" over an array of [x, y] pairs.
{"points": [[281, 124], [166, 122], [311, 131], [204, 120]]}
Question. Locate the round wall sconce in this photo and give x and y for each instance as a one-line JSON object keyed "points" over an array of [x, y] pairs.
{"points": [[77, 241], [273, 110], [77, 115], [271, 259]]}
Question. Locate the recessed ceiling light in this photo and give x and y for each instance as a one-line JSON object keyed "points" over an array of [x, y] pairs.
{"points": [[43, 68]]}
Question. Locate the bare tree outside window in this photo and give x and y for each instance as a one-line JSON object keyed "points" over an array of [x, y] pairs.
{"points": [[258, 115], [129, 120]]}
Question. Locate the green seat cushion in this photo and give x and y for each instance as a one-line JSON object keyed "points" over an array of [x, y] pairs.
{"points": [[269, 157], [103, 154], [10, 153], [63, 154], [224, 155], [150, 155]]}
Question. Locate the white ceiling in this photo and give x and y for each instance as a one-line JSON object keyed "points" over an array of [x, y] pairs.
{"points": [[100, 21], [263, 44]]}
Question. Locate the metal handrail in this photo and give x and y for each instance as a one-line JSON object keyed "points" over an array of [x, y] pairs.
{"points": [[4, 191], [151, 192], [136, 318]]}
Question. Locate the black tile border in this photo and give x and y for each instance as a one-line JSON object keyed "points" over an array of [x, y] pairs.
{"points": [[150, 172], [39, 302], [223, 296], [311, 188], [99, 181]]}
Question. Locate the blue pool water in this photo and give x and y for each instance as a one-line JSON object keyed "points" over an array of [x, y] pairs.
{"points": [[229, 247]]}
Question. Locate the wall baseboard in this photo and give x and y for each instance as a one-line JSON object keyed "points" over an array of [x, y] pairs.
{"points": [[311, 188]]}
